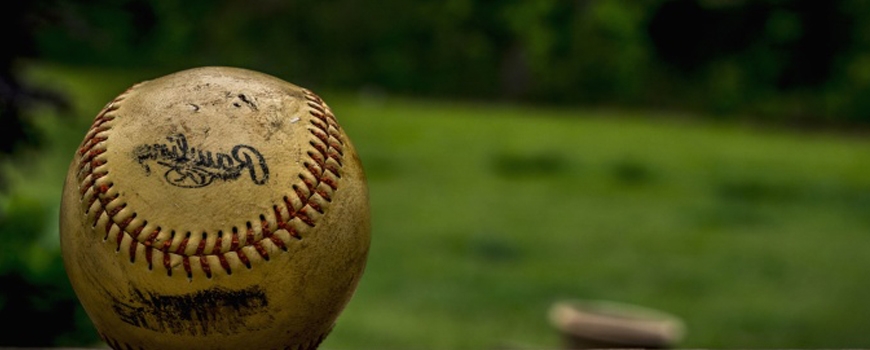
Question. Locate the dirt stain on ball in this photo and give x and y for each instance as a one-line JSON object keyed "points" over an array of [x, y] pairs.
{"points": [[214, 310]]}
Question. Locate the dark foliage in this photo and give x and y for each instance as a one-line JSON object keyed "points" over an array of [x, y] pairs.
{"points": [[779, 60]]}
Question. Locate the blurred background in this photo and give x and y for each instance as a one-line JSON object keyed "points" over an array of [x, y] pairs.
{"points": [[706, 158]]}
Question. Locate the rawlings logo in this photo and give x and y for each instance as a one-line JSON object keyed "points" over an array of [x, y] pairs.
{"points": [[190, 167]]}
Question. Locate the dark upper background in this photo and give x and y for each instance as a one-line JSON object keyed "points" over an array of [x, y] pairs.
{"points": [[801, 63], [798, 61]]}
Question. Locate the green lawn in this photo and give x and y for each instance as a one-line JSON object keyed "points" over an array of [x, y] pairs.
{"points": [[484, 215]]}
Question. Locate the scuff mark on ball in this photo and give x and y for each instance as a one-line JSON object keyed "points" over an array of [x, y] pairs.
{"points": [[214, 310]]}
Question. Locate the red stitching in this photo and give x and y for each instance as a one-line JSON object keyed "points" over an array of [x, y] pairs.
{"points": [[308, 184], [299, 193], [262, 250], [317, 123], [203, 263], [216, 249], [282, 225], [201, 247], [90, 155], [319, 147], [235, 242], [148, 254], [109, 229], [330, 182], [316, 207], [335, 134], [150, 240], [335, 155], [133, 244], [324, 195], [243, 258], [136, 233], [186, 261], [320, 135], [278, 242], [120, 236], [167, 263], [87, 185], [311, 168], [224, 263], [92, 141], [328, 145], [292, 231], [99, 212], [336, 146], [183, 246], [102, 118], [264, 227], [316, 105], [333, 169], [318, 158], [123, 225], [117, 210], [303, 216], [249, 235]]}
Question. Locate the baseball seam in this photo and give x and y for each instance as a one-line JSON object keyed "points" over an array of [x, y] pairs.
{"points": [[299, 210]]}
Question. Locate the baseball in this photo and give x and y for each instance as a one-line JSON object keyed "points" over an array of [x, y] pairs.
{"points": [[215, 208]]}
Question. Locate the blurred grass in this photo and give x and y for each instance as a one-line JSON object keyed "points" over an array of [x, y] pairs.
{"points": [[483, 215]]}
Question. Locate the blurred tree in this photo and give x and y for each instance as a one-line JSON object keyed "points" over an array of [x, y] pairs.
{"points": [[21, 18], [746, 53], [35, 299], [770, 58]]}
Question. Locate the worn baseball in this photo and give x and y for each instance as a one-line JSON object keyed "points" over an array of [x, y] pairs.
{"points": [[215, 208]]}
